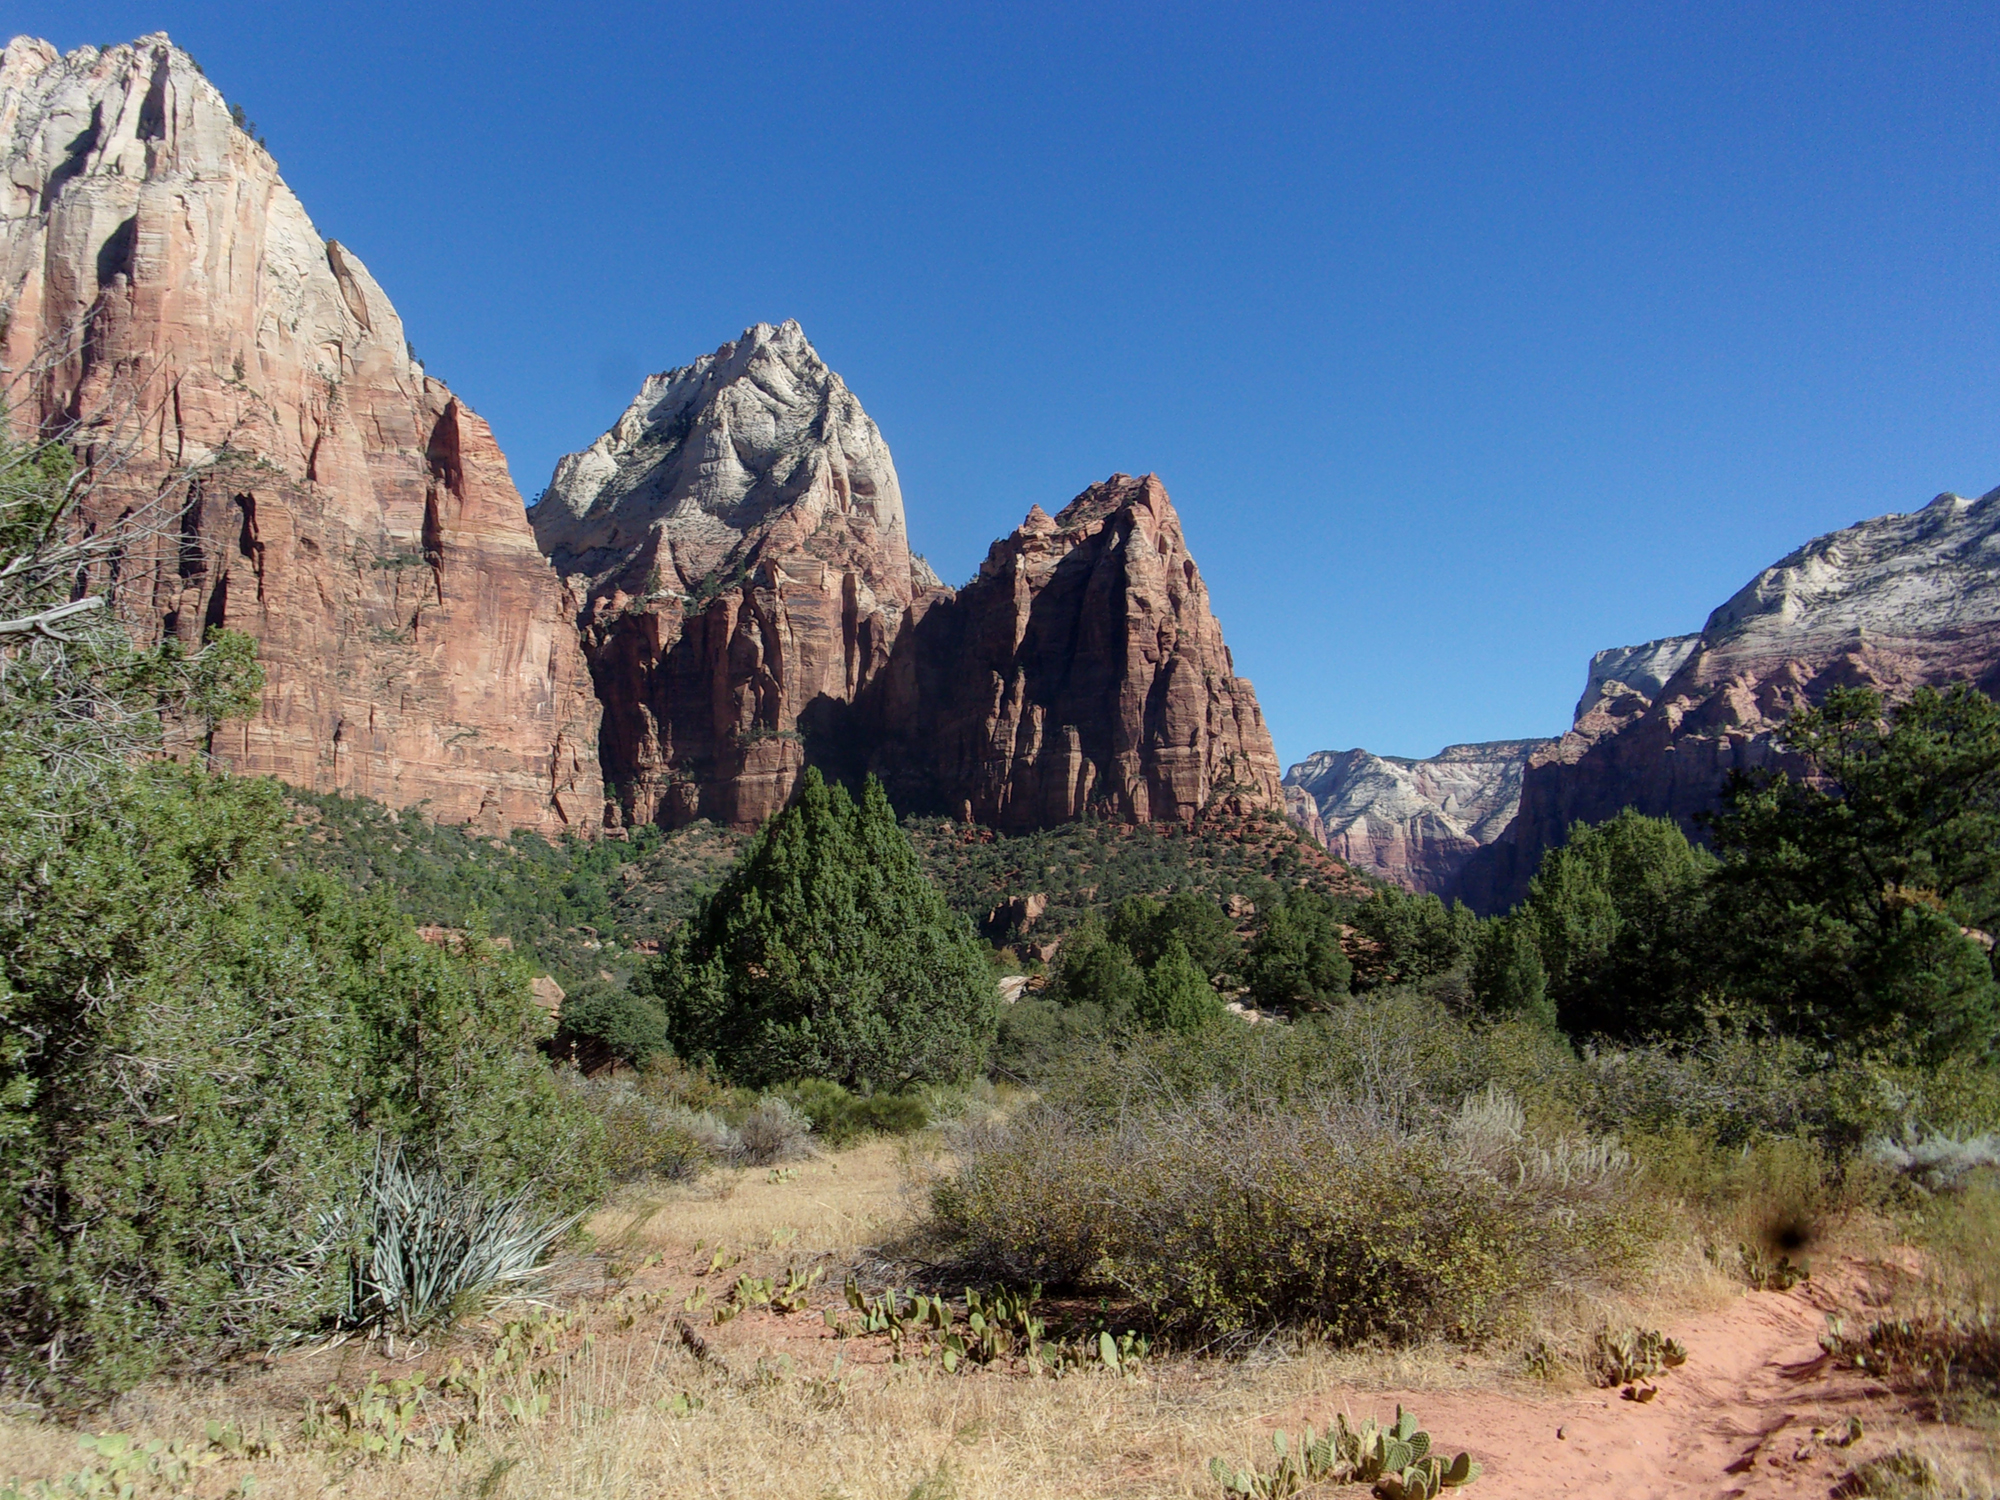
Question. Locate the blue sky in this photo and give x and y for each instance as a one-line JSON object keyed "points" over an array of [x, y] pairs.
{"points": [[1467, 338]]}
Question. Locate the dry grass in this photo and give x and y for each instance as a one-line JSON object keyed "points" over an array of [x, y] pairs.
{"points": [[779, 1408]]}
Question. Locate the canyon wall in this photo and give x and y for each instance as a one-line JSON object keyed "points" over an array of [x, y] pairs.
{"points": [[1411, 821], [244, 393], [1894, 603]]}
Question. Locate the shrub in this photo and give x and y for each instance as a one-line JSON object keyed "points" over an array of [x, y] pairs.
{"points": [[647, 1134], [828, 953], [1416, 937], [1177, 995], [435, 1245], [1145, 927], [1844, 900], [197, 1052], [1613, 916], [773, 1131], [1224, 1217], [630, 1027], [839, 1118]]}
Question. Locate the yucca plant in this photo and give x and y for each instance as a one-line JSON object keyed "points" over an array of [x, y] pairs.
{"points": [[432, 1245]]}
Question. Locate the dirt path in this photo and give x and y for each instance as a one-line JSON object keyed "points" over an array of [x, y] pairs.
{"points": [[1738, 1420]]}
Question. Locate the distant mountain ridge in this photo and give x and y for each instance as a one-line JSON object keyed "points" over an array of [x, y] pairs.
{"points": [[1893, 603]]}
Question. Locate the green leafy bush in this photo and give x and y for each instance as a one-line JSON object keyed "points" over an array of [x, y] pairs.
{"points": [[840, 1118], [827, 953], [197, 1052]]}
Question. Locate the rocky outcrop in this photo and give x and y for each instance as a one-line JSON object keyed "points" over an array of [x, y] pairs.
{"points": [[1082, 669], [227, 371], [738, 537], [1414, 822], [753, 607], [1894, 604]]}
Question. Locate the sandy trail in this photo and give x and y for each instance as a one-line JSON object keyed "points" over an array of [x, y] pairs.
{"points": [[1737, 1420]]}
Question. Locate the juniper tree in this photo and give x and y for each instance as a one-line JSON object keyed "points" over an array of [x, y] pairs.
{"points": [[829, 953]]}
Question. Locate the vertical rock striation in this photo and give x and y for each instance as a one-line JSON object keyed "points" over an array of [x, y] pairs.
{"points": [[1082, 669], [222, 367], [753, 607], [738, 537]]}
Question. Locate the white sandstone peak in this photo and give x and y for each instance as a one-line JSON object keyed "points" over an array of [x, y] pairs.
{"points": [[722, 450]]}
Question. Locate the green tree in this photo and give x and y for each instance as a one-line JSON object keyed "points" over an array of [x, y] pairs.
{"points": [[1616, 914], [1846, 900], [1097, 975], [1295, 961], [829, 953], [1145, 927], [1176, 995], [1507, 974], [1416, 937], [197, 1052]]}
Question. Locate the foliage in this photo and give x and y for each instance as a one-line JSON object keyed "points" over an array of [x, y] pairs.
{"points": [[1396, 1459], [840, 1118], [1295, 961], [1622, 1355], [434, 1245], [76, 696], [1177, 995], [1091, 866], [1507, 974], [1414, 937], [1845, 898], [828, 953], [196, 1051], [625, 1024], [648, 1133], [1613, 914], [1145, 928], [1339, 1187], [576, 906]]}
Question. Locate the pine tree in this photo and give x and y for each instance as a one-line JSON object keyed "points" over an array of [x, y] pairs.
{"points": [[828, 953], [1177, 996]]}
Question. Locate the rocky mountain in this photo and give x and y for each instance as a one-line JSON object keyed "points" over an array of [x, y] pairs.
{"points": [[243, 382], [1412, 821], [738, 539], [753, 606], [1893, 603], [1082, 668]]}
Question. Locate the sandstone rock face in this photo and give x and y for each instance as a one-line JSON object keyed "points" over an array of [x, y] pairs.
{"points": [[1414, 822], [224, 363], [739, 539], [1082, 669], [1894, 604], [753, 607]]}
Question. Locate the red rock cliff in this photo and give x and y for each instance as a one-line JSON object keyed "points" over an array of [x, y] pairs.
{"points": [[229, 367], [1081, 670], [754, 607]]}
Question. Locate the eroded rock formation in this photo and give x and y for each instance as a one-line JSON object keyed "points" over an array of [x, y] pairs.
{"points": [[754, 606], [1412, 821], [224, 367], [1894, 604], [1081, 669], [739, 538]]}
